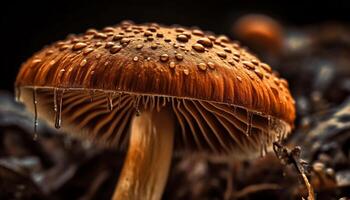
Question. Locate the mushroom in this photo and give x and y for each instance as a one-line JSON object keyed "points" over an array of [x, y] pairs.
{"points": [[152, 89], [260, 32]]}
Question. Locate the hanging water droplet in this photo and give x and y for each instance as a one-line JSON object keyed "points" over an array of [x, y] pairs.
{"points": [[109, 96], [92, 95], [54, 100], [249, 123], [18, 93], [58, 112], [35, 102], [135, 59], [136, 100]]}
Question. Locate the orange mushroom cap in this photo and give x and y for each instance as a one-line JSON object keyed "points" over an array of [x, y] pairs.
{"points": [[224, 98]]}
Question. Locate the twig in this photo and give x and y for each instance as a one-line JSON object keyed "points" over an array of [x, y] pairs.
{"points": [[293, 157]]}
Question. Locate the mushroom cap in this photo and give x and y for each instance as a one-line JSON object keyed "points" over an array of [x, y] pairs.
{"points": [[259, 31], [224, 99]]}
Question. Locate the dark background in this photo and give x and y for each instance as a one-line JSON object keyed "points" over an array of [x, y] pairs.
{"points": [[27, 26]]}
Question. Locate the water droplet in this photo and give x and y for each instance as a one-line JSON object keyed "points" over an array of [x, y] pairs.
{"points": [[236, 54], [284, 82], [148, 33], [249, 123], [150, 39], [167, 40], [211, 65], [182, 38], [87, 51], [79, 45], [172, 65], [108, 29], [92, 95], [197, 32], [160, 35], [98, 44], [179, 56], [223, 38], [64, 47], [152, 29], [109, 44], [49, 52], [124, 41], [91, 32], [135, 59], [58, 104], [249, 65], [231, 62], [259, 73], [109, 96], [239, 78], [154, 46], [212, 37], [202, 66], [236, 58], [35, 103], [115, 49], [164, 57], [139, 46], [83, 63], [100, 35], [179, 30], [18, 93], [227, 50], [255, 62], [198, 47], [117, 37], [266, 67], [221, 54], [128, 30], [205, 42], [186, 72]]}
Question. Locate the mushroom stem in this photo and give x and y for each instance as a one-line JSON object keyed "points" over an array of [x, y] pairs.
{"points": [[148, 159]]}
